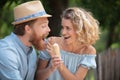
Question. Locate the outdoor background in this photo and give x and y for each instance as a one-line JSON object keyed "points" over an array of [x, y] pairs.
{"points": [[107, 12]]}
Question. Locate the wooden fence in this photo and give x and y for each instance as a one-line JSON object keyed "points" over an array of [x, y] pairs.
{"points": [[108, 66]]}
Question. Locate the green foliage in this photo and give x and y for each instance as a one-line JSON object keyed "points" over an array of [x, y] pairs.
{"points": [[100, 45], [115, 45], [6, 19], [6, 15], [74, 3], [107, 13]]}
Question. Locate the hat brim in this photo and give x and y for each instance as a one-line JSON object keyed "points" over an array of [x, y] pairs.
{"points": [[46, 15]]}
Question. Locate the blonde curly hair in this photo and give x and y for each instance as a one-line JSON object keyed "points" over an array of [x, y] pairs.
{"points": [[87, 28]]}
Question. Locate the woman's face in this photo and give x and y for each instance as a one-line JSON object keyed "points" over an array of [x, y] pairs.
{"points": [[68, 32]]}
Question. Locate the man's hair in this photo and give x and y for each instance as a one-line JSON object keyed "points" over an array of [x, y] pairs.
{"points": [[19, 29]]}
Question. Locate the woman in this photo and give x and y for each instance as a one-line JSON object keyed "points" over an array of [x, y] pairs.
{"points": [[79, 32]]}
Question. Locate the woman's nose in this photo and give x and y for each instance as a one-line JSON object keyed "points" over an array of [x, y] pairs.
{"points": [[63, 32]]}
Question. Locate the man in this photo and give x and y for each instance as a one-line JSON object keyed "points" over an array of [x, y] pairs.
{"points": [[17, 56]]}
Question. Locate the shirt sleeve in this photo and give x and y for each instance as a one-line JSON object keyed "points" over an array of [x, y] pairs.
{"points": [[88, 61], [44, 55], [9, 68]]}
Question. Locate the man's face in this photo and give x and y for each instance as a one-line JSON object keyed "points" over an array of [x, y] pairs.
{"points": [[40, 31]]}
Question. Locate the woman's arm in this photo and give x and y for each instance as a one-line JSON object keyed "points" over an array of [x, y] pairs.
{"points": [[43, 71], [67, 75], [81, 71]]}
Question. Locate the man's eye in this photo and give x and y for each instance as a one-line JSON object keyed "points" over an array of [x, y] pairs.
{"points": [[43, 26]]}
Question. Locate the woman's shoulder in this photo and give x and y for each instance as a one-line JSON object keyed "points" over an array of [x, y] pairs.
{"points": [[89, 49]]}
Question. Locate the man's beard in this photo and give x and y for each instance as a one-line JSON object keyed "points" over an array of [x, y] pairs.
{"points": [[38, 42]]}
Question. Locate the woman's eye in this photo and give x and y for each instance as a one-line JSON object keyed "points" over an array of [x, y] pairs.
{"points": [[67, 28]]}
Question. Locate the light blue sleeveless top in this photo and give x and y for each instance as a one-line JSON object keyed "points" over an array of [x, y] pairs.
{"points": [[72, 62]]}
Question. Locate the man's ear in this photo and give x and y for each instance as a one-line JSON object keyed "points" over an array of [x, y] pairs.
{"points": [[27, 28]]}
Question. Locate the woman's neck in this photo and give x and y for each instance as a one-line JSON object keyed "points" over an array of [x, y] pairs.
{"points": [[73, 47]]}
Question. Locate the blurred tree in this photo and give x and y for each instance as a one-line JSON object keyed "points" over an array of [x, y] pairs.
{"points": [[6, 15], [107, 12], [55, 8]]}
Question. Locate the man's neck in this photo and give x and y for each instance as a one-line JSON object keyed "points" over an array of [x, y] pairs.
{"points": [[25, 40]]}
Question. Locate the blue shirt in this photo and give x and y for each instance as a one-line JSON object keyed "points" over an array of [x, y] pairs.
{"points": [[17, 62], [72, 61]]}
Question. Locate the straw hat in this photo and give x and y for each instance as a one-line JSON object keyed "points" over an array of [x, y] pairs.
{"points": [[29, 11]]}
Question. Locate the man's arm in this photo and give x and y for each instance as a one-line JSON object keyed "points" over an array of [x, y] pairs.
{"points": [[9, 65]]}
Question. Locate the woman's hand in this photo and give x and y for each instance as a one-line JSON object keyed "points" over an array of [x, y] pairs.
{"points": [[55, 62], [55, 58], [50, 48]]}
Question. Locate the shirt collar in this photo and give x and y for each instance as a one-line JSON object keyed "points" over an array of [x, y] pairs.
{"points": [[26, 49]]}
